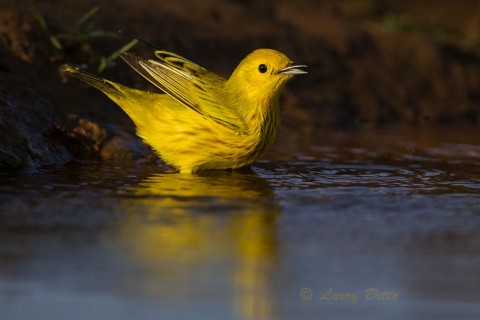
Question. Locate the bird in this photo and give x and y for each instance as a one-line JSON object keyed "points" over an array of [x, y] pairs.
{"points": [[201, 121]]}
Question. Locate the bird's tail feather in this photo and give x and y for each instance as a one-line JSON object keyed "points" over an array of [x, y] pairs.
{"points": [[109, 88]]}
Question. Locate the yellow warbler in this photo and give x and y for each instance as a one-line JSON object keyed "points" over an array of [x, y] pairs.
{"points": [[203, 121]]}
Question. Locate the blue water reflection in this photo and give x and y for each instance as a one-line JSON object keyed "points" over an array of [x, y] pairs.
{"points": [[338, 234]]}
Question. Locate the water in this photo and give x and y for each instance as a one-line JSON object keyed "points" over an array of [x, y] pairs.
{"points": [[354, 227]]}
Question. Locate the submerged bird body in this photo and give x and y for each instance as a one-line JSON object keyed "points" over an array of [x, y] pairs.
{"points": [[202, 121]]}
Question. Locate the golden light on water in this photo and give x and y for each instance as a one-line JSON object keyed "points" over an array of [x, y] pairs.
{"points": [[166, 240]]}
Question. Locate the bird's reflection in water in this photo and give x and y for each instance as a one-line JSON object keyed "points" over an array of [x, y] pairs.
{"points": [[201, 236]]}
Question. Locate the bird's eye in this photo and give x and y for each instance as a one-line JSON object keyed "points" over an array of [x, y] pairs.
{"points": [[262, 68]]}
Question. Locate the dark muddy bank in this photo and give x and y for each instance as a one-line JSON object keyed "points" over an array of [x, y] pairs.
{"points": [[371, 64]]}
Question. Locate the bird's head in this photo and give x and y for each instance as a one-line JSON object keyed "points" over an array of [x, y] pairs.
{"points": [[262, 74]]}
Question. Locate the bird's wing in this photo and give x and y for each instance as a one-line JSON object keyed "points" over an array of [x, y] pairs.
{"points": [[188, 83]]}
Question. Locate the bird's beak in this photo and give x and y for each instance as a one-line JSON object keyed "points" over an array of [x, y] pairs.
{"points": [[293, 70]]}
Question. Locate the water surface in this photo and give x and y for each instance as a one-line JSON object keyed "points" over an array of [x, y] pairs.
{"points": [[350, 227]]}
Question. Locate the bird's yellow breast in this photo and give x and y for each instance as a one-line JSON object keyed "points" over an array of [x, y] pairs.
{"points": [[190, 142]]}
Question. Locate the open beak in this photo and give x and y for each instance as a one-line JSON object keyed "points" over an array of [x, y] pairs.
{"points": [[293, 70]]}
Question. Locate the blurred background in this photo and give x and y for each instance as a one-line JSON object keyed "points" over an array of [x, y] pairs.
{"points": [[372, 64]]}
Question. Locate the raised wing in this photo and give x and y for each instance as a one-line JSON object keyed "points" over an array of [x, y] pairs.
{"points": [[188, 83]]}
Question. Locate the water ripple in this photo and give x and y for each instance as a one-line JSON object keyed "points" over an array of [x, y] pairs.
{"points": [[417, 178]]}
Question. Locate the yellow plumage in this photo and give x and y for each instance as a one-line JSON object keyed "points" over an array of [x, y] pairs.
{"points": [[203, 121]]}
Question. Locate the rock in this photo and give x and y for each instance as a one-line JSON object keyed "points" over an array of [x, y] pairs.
{"points": [[26, 121], [125, 147], [25, 125]]}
